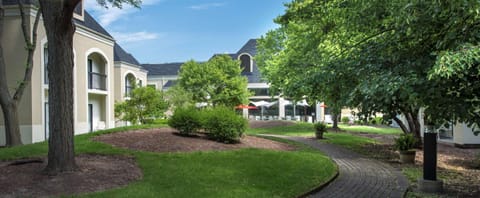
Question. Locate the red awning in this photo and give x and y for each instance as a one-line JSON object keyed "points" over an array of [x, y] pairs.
{"points": [[245, 107]]}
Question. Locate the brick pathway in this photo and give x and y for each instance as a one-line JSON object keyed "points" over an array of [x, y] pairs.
{"points": [[358, 176]]}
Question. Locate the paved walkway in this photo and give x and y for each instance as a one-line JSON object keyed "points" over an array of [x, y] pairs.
{"points": [[358, 176]]}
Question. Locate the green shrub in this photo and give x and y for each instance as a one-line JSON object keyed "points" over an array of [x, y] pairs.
{"points": [[405, 142], [222, 124], [376, 120], [186, 120], [320, 128], [345, 119]]}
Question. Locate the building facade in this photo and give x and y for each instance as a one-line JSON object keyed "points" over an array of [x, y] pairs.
{"points": [[99, 68]]}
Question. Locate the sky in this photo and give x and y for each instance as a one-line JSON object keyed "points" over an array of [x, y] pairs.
{"points": [[165, 31]]}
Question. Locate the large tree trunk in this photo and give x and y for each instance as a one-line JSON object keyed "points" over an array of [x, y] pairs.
{"points": [[12, 129], [57, 16]]}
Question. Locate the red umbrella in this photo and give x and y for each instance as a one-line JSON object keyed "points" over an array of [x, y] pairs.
{"points": [[245, 107]]}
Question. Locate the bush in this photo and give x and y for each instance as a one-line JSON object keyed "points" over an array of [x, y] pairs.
{"points": [[186, 120], [405, 142], [345, 119], [376, 120], [222, 124], [320, 128]]}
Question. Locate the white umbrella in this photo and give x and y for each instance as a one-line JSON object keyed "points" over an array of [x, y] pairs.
{"points": [[201, 104], [302, 103]]}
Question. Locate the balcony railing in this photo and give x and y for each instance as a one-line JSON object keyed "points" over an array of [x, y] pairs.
{"points": [[97, 81]]}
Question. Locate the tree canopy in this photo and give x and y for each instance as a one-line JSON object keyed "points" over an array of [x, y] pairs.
{"points": [[381, 56], [143, 105], [215, 82]]}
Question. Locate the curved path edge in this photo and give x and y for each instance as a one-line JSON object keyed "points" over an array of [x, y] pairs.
{"points": [[358, 176]]}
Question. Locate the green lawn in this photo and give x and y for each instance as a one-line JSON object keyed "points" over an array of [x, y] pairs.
{"points": [[298, 129], [238, 173], [371, 129], [340, 138]]}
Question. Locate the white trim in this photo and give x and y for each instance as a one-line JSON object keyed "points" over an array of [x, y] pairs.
{"points": [[93, 35], [251, 60], [107, 68]]}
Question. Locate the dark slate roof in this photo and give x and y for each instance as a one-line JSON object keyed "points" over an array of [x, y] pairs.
{"points": [[169, 84], [250, 47], [89, 22], [119, 54], [166, 69], [14, 2]]}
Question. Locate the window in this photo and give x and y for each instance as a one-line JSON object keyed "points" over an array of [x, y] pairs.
{"points": [[45, 64], [129, 84], [246, 63], [96, 80], [140, 83]]}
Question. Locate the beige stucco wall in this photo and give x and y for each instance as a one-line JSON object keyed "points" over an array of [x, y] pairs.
{"points": [[85, 46], [121, 71], [31, 108], [159, 81]]}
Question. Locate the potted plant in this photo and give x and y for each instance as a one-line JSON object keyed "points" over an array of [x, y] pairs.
{"points": [[320, 128], [405, 144]]}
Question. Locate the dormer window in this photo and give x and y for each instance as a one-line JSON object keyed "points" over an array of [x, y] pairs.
{"points": [[246, 63], [78, 11]]}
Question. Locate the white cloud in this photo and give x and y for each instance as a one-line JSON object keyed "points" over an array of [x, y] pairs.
{"points": [[206, 6], [112, 14], [129, 37]]}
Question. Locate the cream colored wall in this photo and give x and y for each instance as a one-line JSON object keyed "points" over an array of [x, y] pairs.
{"points": [[84, 46], [160, 81], [15, 57], [121, 70], [31, 108]]}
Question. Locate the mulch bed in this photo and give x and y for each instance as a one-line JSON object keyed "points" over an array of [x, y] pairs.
{"points": [[102, 172], [166, 140], [96, 173]]}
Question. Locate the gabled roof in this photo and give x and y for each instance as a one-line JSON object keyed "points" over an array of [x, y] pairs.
{"points": [[89, 22], [119, 54], [250, 47], [166, 69], [169, 84]]}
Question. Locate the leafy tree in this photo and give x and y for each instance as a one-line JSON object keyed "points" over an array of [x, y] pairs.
{"points": [[387, 49], [9, 102], [216, 82], [178, 97], [59, 27], [144, 104]]}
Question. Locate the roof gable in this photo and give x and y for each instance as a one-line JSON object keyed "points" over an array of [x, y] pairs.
{"points": [[119, 54]]}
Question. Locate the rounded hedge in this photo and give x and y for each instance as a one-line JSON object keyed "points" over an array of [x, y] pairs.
{"points": [[222, 124], [186, 120]]}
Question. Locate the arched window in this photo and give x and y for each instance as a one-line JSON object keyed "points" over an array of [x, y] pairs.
{"points": [[129, 84], [246, 62]]}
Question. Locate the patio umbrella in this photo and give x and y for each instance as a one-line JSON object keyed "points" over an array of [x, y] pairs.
{"points": [[245, 107]]}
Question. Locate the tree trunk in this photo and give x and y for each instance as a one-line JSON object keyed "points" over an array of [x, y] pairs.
{"points": [[335, 121], [12, 129], [57, 17]]}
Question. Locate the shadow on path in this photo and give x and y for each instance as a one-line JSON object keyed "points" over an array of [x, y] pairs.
{"points": [[358, 175]]}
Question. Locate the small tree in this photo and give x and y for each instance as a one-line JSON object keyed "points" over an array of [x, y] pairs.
{"points": [[144, 104], [216, 82], [8, 101]]}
